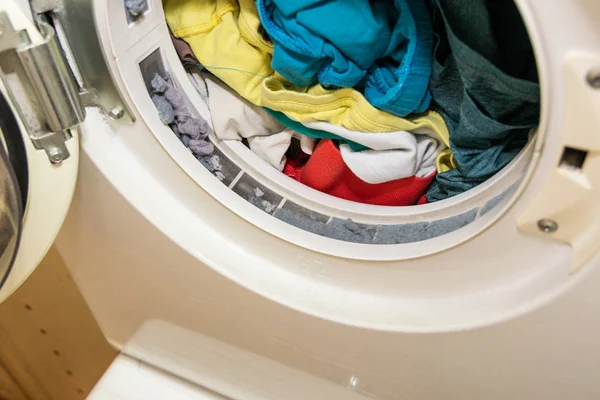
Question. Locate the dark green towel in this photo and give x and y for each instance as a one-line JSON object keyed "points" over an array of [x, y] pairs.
{"points": [[484, 83]]}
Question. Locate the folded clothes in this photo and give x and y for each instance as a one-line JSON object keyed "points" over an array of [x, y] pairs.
{"points": [[234, 118], [413, 155], [326, 171], [484, 82], [225, 37], [381, 46]]}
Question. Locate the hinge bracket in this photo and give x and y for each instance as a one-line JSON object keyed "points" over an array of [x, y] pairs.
{"points": [[41, 86]]}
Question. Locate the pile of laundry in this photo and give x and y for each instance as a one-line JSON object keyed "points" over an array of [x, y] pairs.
{"points": [[387, 102]]}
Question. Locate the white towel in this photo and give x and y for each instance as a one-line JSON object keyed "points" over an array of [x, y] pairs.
{"points": [[391, 155], [372, 140], [415, 157]]}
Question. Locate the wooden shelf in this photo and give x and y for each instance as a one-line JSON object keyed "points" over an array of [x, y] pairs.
{"points": [[50, 344]]}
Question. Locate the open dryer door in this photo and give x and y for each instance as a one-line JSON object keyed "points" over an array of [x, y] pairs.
{"points": [[38, 145]]}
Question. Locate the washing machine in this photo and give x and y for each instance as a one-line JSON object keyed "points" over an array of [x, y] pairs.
{"points": [[491, 294]]}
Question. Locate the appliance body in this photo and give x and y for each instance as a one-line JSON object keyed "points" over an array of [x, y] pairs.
{"points": [[182, 275]]}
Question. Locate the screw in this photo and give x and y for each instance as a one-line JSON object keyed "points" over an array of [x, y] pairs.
{"points": [[547, 225], [116, 113], [593, 79], [55, 155]]}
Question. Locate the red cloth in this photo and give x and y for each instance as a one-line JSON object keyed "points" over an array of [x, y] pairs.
{"points": [[293, 166], [326, 171]]}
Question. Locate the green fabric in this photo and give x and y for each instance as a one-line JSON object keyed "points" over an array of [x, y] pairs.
{"points": [[484, 83], [314, 133]]}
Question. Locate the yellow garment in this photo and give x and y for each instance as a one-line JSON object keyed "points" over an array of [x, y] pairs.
{"points": [[445, 161], [344, 107], [224, 37], [223, 34]]}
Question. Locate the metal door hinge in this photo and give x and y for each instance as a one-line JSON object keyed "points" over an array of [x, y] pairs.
{"points": [[41, 86], [78, 35]]}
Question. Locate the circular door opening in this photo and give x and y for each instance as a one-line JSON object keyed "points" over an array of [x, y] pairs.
{"points": [[427, 265], [311, 218], [13, 187]]}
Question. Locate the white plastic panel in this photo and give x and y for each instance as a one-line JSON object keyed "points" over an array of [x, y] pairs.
{"points": [[130, 379], [230, 371], [163, 182], [125, 31]]}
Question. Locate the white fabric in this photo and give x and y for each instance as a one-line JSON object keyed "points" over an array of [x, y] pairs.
{"points": [[415, 156], [391, 155], [199, 83], [234, 118], [272, 148], [374, 140], [307, 144]]}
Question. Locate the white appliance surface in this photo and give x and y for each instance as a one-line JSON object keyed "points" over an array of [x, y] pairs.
{"points": [[130, 379], [148, 238]]}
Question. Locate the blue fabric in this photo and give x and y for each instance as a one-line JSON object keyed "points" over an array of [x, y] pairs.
{"points": [[313, 133], [381, 47], [484, 83]]}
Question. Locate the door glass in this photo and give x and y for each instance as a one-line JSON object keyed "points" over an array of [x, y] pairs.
{"points": [[11, 206]]}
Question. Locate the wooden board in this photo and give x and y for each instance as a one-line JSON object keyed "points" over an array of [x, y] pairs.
{"points": [[50, 344], [9, 389]]}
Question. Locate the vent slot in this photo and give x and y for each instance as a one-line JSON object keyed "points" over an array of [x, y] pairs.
{"points": [[572, 159]]}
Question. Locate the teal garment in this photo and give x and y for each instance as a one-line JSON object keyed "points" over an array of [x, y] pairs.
{"points": [[381, 47], [484, 83], [314, 133]]}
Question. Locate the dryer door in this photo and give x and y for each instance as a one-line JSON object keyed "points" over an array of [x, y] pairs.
{"points": [[38, 145]]}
